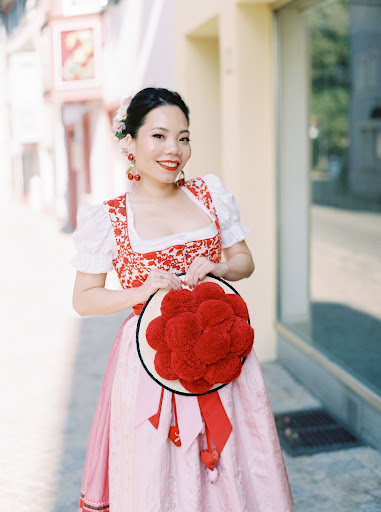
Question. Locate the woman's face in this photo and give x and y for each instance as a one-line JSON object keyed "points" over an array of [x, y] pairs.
{"points": [[161, 147]]}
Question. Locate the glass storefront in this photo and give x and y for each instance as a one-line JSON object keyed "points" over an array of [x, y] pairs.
{"points": [[329, 201]]}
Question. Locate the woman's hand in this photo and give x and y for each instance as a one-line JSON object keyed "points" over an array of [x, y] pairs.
{"points": [[202, 266], [159, 279], [90, 297], [238, 265]]}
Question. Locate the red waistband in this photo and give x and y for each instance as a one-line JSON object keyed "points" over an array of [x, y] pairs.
{"points": [[138, 308]]}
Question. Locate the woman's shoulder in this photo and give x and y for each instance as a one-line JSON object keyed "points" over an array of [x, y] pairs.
{"points": [[94, 240], [91, 214], [93, 223], [215, 183], [227, 209], [115, 202], [212, 183]]}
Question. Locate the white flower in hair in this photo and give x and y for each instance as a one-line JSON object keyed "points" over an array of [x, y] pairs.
{"points": [[119, 121]]}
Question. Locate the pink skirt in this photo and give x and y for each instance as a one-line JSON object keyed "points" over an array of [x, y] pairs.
{"points": [[132, 467]]}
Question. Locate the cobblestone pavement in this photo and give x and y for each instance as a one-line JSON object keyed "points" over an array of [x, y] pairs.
{"points": [[52, 364]]}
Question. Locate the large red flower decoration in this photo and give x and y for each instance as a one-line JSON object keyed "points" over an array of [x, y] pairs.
{"points": [[201, 337]]}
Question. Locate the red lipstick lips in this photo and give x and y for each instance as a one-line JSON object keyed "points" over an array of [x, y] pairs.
{"points": [[167, 167]]}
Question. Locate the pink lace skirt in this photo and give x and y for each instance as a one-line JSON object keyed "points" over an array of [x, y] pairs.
{"points": [[132, 467]]}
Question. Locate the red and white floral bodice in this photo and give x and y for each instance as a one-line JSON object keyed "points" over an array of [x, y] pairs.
{"points": [[133, 267], [106, 237]]}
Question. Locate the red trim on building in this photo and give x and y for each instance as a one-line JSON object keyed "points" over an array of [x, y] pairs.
{"points": [[86, 152], [72, 178]]}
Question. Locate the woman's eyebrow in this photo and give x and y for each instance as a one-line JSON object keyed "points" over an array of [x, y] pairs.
{"points": [[166, 129]]}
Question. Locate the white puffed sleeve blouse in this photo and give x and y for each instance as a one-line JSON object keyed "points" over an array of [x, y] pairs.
{"points": [[95, 241]]}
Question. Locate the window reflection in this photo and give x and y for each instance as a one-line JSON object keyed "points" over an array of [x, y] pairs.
{"points": [[344, 133]]}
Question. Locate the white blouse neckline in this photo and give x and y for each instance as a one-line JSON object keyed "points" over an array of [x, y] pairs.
{"points": [[140, 244], [96, 244]]}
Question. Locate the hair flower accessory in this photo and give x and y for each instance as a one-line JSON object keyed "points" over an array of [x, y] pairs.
{"points": [[119, 121]]}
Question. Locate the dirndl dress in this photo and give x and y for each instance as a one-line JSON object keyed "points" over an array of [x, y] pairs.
{"points": [[131, 464]]}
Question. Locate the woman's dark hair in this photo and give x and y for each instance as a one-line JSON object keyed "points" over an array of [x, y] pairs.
{"points": [[145, 101]]}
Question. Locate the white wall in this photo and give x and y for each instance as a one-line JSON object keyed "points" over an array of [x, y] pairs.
{"points": [[139, 46], [5, 162]]}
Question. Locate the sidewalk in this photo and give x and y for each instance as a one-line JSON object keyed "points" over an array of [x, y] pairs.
{"points": [[340, 481], [52, 368]]}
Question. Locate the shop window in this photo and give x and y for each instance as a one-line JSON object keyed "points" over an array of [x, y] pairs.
{"points": [[329, 204]]}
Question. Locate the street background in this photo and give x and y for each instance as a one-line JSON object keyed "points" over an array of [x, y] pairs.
{"points": [[285, 109], [52, 368]]}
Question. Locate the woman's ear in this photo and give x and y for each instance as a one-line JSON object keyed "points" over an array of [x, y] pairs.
{"points": [[128, 145]]}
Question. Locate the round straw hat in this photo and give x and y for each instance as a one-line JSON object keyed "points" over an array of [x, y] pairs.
{"points": [[194, 342]]}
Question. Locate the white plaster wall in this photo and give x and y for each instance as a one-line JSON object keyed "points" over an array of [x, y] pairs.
{"points": [[5, 161], [139, 47]]}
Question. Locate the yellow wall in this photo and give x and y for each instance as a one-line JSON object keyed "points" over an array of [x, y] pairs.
{"points": [[224, 66], [202, 73]]}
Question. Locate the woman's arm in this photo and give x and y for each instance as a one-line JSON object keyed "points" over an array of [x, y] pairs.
{"points": [[90, 297], [239, 264]]}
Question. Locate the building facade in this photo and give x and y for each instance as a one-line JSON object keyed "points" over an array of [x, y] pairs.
{"points": [[285, 102], [285, 107], [80, 58]]}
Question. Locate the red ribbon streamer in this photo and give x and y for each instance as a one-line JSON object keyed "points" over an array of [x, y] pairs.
{"points": [[214, 414], [215, 418]]}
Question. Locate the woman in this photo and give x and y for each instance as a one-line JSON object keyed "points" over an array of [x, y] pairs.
{"points": [[161, 228]]}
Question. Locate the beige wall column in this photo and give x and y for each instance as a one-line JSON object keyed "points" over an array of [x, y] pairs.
{"points": [[248, 151], [225, 71], [199, 61], [294, 197], [230, 122]]}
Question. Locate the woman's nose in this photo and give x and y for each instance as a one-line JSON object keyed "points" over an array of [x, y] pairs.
{"points": [[172, 146]]}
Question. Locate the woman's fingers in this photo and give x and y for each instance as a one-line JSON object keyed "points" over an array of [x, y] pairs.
{"points": [[168, 282], [164, 279], [157, 279], [197, 271]]}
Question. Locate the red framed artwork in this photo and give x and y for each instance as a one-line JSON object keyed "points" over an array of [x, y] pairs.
{"points": [[77, 57]]}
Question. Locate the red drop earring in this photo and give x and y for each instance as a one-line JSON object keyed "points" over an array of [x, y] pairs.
{"points": [[131, 175], [181, 181]]}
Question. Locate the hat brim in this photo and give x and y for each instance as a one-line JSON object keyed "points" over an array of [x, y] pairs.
{"points": [[147, 354]]}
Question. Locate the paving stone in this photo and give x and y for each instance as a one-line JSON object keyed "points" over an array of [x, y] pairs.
{"points": [[371, 506], [301, 491], [315, 503], [339, 467]]}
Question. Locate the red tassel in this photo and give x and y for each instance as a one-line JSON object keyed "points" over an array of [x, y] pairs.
{"points": [[174, 433], [209, 457]]}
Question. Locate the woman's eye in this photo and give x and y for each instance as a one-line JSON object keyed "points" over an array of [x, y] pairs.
{"points": [[185, 139], [158, 135]]}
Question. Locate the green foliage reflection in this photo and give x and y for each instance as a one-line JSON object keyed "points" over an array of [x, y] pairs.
{"points": [[329, 40]]}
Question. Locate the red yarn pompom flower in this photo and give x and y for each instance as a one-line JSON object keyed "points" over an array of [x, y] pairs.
{"points": [[200, 337]]}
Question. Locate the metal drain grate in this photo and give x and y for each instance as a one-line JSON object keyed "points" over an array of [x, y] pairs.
{"points": [[312, 431]]}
